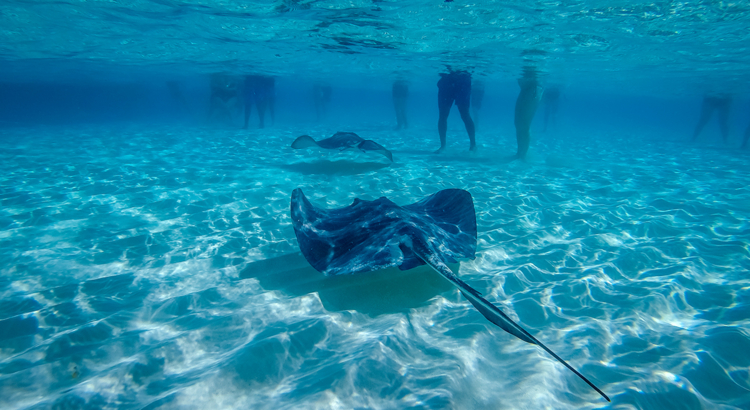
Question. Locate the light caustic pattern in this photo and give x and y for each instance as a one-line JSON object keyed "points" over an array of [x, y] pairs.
{"points": [[159, 268]]}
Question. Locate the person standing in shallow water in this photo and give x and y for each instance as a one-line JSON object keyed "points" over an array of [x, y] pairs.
{"points": [[264, 97], [248, 92], [526, 105], [711, 103], [400, 96], [321, 97], [225, 98], [454, 86], [259, 89]]}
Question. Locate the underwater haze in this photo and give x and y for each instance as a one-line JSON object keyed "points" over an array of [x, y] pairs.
{"points": [[148, 258]]}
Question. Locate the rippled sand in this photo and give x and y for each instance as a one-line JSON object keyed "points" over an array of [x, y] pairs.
{"points": [[159, 269]]}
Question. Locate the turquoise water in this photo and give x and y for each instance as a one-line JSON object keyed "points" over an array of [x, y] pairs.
{"points": [[148, 259]]}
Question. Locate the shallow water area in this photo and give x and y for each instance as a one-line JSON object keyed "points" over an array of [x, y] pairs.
{"points": [[157, 268]]}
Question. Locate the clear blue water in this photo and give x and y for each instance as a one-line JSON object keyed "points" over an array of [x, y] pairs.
{"points": [[147, 256]]}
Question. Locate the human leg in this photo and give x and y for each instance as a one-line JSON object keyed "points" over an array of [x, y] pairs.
{"points": [[464, 111], [445, 102]]}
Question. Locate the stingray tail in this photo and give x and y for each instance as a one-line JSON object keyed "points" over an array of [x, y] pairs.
{"points": [[490, 311]]}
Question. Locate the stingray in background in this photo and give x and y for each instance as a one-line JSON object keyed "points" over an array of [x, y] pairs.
{"points": [[342, 141], [373, 235]]}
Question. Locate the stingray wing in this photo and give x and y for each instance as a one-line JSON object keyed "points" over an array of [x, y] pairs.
{"points": [[304, 141], [370, 145], [355, 238], [449, 220], [341, 141]]}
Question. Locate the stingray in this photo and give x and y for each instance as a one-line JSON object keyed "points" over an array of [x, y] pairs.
{"points": [[342, 141], [373, 235]]}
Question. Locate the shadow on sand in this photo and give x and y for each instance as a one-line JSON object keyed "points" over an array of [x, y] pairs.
{"points": [[373, 293], [326, 167]]}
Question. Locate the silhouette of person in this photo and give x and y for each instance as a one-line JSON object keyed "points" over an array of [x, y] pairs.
{"points": [[551, 101], [526, 105], [224, 97], [177, 96], [176, 92], [711, 103], [265, 97], [400, 96], [259, 89], [321, 96], [248, 92], [455, 86]]}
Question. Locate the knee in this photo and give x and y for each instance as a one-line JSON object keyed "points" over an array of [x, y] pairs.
{"points": [[465, 115]]}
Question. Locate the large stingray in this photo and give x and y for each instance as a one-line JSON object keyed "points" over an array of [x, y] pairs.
{"points": [[372, 235], [342, 141]]}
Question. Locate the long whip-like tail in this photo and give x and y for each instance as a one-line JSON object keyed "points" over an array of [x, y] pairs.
{"points": [[490, 311]]}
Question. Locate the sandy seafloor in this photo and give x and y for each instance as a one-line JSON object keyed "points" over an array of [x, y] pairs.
{"points": [[158, 268]]}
